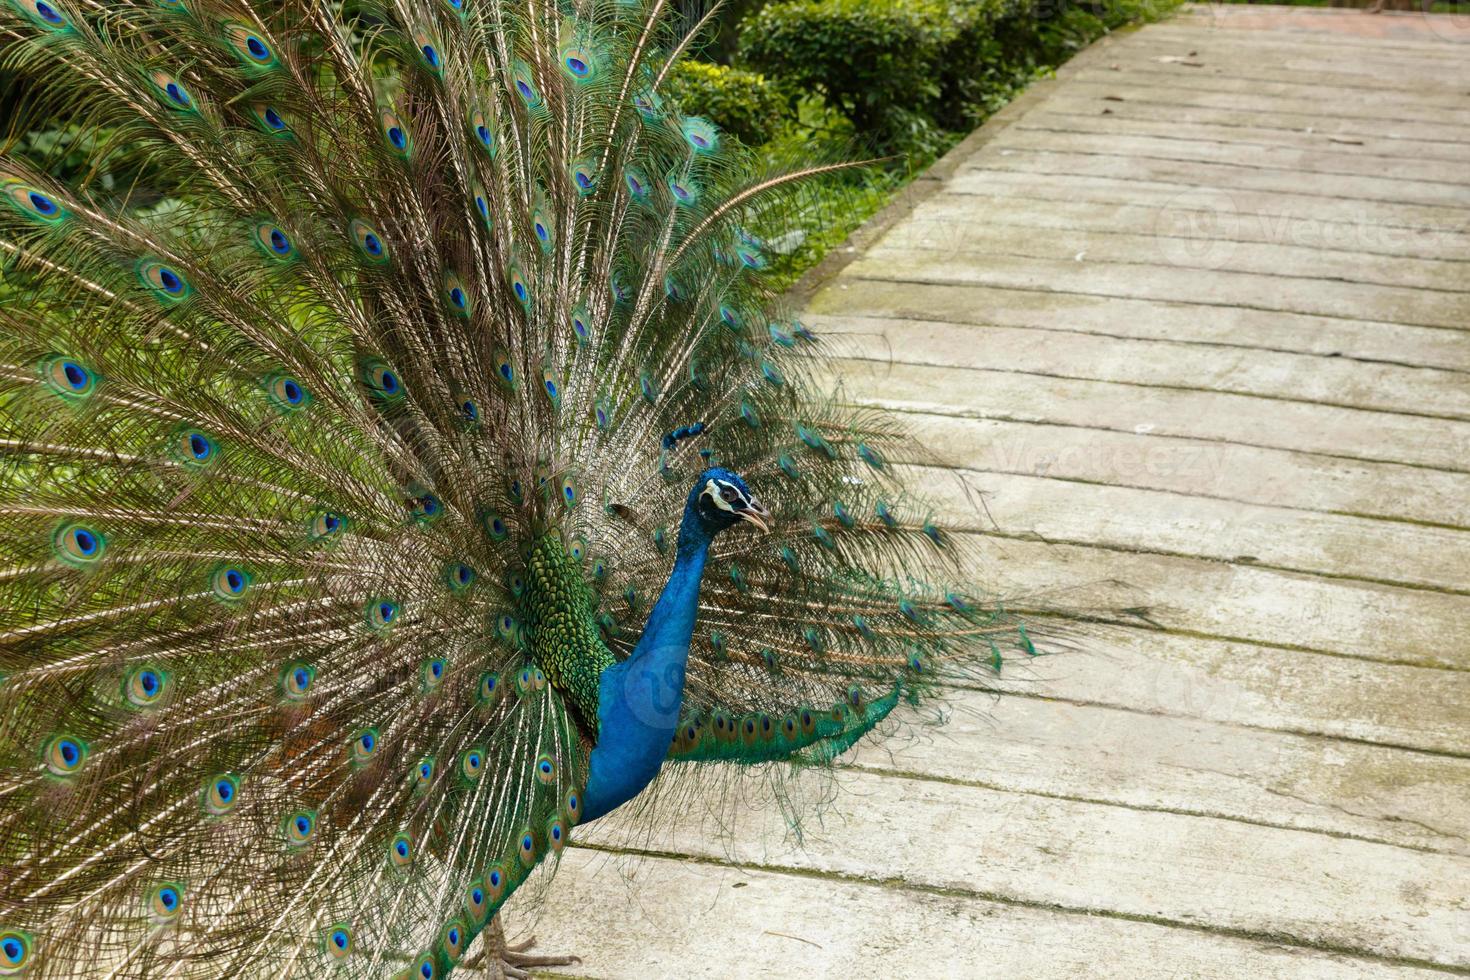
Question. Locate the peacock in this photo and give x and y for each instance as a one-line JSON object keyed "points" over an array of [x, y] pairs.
{"points": [[408, 462]]}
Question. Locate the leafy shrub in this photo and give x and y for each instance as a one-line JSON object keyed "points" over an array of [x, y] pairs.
{"points": [[871, 59], [902, 70], [994, 53], [740, 102]]}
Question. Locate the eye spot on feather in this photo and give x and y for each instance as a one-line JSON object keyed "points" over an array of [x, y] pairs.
{"points": [[221, 793], [545, 770], [163, 281], [423, 774], [426, 509], [64, 755], [380, 614], [788, 556], [193, 448], [456, 294], [270, 120], [337, 941], [173, 91], [368, 241], [164, 903], [519, 285], [200, 447], [400, 851], [637, 183], [428, 52], [296, 680], [471, 763], [578, 63], [15, 952], [77, 545], [476, 902], [68, 377], [230, 584], [649, 105], [326, 527], [525, 86], [144, 687], [363, 747], [700, 134], [495, 882], [431, 674], [480, 129], [584, 176], [618, 287], [527, 848], [251, 48], [495, 527], [48, 14], [33, 203], [396, 133], [424, 967], [482, 205], [488, 688], [684, 190], [452, 938], [508, 629], [299, 828], [541, 225]]}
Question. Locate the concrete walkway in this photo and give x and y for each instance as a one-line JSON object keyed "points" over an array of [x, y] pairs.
{"points": [[1195, 317]]}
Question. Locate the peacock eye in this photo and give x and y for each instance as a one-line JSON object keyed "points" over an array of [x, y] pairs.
{"points": [[730, 495]]}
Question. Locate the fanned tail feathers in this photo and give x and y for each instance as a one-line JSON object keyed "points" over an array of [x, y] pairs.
{"points": [[394, 294]]}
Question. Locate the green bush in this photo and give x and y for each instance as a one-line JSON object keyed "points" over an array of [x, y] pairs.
{"points": [[740, 102], [994, 53], [903, 70], [872, 59]]}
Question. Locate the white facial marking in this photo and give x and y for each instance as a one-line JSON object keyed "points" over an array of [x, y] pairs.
{"points": [[714, 490]]}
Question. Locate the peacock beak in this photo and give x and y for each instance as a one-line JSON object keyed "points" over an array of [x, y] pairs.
{"points": [[757, 515]]}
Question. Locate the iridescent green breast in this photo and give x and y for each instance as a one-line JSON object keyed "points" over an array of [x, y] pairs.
{"points": [[559, 614]]}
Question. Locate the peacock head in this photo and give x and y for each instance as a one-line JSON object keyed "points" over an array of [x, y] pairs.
{"points": [[720, 499]]}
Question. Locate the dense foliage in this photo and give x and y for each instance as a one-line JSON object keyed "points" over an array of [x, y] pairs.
{"points": [[899, 70], [742, 103]]}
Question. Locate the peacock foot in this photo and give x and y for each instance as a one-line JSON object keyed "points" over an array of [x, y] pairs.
{"points": [[504, 961]]}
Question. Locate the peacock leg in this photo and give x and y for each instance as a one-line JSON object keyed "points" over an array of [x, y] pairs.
{"points": [[506, 962]]}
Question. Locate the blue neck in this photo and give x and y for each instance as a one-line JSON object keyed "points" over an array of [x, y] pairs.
{"points": [[639, 699]]}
